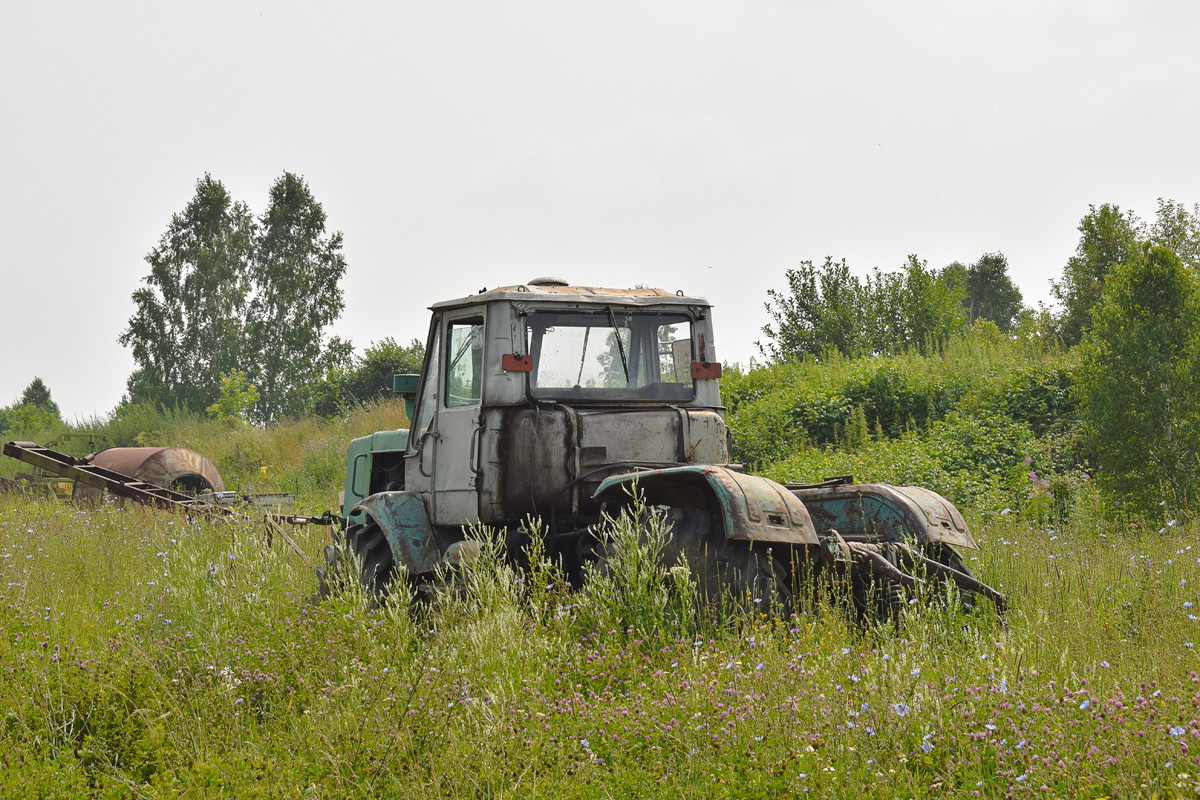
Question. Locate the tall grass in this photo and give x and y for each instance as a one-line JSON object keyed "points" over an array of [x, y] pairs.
{"points": [[150, 655]]}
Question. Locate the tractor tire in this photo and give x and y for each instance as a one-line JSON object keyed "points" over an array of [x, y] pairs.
{"points": [[373, 565], [747, 575], [946, 555], [876, 601]]}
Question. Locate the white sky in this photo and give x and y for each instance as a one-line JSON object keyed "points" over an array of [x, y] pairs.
{"points": [[702, 146]]}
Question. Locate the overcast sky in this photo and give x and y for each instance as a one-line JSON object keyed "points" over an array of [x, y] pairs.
{"points": [[702, 146]]}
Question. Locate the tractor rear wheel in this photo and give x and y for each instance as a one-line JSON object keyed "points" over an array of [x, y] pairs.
{"points": [[947, 556], [750, 575]]}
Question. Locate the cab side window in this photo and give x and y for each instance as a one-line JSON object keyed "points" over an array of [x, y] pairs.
{"points": [[429, 386], [464, 362]]}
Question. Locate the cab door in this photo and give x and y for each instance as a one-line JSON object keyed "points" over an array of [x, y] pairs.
{"points": [[458, 422]]}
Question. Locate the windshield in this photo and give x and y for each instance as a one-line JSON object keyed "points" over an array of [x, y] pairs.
{"points": [[611, 354]]}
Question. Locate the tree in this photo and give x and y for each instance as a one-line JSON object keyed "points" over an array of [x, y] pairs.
{"points": [[1108, 239], [34, 413], [821, 312], [931, 307], [227, 293], [1139, 382], [1179, 229], [297, 272], [37, 395], [187, 329], [238, 396], [367, 378], [991, 293]]}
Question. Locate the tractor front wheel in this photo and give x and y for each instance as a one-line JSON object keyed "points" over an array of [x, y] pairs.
{"points": [[372, 559]]}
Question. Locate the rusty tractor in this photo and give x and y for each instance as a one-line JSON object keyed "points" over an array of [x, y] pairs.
{"points": [[552, 401]]}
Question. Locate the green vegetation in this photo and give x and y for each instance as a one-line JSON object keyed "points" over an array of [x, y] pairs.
{"points": [[1140, 381], [150, 655], [228, 292]]}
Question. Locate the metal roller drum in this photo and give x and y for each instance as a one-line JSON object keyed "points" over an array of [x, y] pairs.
{"points": [[175, 468]]}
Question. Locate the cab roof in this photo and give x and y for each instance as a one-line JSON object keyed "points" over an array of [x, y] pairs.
{"points": [[557, 290]]}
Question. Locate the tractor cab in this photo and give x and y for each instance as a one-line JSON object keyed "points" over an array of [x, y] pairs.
{"points": [[531, 395]]}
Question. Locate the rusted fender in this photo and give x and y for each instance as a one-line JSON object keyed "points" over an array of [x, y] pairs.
{"points": [[404, 519], [879, 512], [754, 509]]}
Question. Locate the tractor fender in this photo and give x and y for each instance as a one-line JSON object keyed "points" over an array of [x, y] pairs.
{"points": [[879, 512], [404, 519], [754, 509]]}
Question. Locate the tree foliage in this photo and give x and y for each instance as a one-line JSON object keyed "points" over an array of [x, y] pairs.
{"points": [[34, 412], [296, 275], [1139, 381], [37, 394], [990, 292], [188, 323], [230, 293], [238, 396], [828, 310], [1179, 229], [1108, 239], [369, 376]]}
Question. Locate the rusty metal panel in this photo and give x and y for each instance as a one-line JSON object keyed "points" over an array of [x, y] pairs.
{"points": [[404, 519], [753, 508], [631, 435], [526, 293], [169, 467], [537, 446], [872, 512]]}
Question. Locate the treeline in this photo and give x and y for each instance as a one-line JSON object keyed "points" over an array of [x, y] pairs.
{"points": [[1106, 386], [829, 309]]}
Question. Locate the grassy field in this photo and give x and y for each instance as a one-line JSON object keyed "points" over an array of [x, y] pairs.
{"points": [[149, 655]]}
